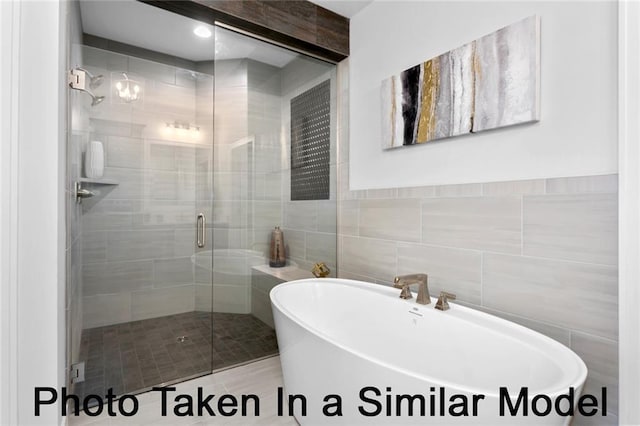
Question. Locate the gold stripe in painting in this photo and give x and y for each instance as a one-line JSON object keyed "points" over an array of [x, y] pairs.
{"points": [[427, 121], [476, 74]]}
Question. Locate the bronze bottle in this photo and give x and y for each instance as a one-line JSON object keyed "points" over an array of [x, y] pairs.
{"points": [[277, 255]]}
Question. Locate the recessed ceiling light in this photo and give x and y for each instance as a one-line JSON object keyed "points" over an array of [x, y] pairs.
{"points": [[202, 31]]}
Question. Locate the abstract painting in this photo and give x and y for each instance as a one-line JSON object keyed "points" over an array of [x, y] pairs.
{"points": [[489, 83]]}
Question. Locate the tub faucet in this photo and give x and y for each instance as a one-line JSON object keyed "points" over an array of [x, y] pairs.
{"points": [[404, 281]]}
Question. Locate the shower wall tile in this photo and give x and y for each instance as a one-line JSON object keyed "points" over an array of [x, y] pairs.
{"points": [[463, 190], [348, 219], [231, 73], [231, 299], [139, 237], [351, 276], [369, 257], [301, 215], [559, 334], [94, 247], [124, 152], [111, 126], [451, 270], [261, 285], [168, 98], [130, 183], [381, 193], [133, 245], [168, 272], [96, 221], [417, 192], [186, 78], [161, 214], [160, 302], [580, 227], [163, 157], [106, 309], [296, 243], [380, 219], [601, 357], [105, 60], [607, 184], [269, 186], [185, 157], [519, 187], [184, 242], [116, 277], [203, 301], [152, 70], [321, 248], [164, 185], [165, 178], [579, 296], [327, 215], [489, 223]]}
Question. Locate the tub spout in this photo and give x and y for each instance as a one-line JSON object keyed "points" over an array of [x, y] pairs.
{"points": [[404, 281]]}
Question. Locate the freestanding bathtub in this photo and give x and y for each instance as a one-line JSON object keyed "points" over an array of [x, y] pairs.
{"points": [[360, 355]]}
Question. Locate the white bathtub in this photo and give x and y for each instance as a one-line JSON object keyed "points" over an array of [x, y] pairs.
{"points": [[340, 336]]}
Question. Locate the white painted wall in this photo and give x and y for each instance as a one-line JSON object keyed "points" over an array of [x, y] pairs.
{"points": [[32, 214], [8, 283], [629, 214], [577, 134]]}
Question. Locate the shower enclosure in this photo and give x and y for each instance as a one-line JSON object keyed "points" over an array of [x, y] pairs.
{"points": [[208, 144]]}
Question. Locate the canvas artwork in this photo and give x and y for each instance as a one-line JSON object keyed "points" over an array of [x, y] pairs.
{"points": [[489, 83]]}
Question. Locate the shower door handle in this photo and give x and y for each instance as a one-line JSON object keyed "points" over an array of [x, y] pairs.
{"points": [[201, 231]]}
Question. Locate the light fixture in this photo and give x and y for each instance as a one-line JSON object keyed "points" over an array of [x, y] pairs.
{"points": [[183, 126], [202, 31], [128, 90]]}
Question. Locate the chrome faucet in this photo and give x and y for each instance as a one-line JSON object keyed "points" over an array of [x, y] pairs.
{"points": [[404, 281]]}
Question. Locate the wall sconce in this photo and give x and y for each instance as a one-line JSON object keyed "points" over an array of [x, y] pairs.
{"points": [[128, 90], [183, 126], [182, 130]]}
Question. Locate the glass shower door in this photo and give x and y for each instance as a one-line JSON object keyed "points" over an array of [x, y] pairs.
{"points": [[141, 305], [255, 84]]}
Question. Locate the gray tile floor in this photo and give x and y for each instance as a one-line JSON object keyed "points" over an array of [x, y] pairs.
{"points": [[261, 378], [134, 356]]}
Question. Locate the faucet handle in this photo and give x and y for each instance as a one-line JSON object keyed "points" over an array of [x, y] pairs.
{"points": [[442, 304], [406, 291]]}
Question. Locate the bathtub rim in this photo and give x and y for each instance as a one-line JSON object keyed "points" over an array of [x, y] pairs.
{"points": [[577, 381]]}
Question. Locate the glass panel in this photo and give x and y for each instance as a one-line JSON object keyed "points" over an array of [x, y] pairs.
{"points": [[168, 264], [255, 86], [145, 295]]}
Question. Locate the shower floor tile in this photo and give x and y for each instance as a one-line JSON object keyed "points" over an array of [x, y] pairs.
{"points": [[134, 356]]}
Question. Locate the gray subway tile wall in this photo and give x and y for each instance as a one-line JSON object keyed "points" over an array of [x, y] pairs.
{"points": [[138, 238], [541, 252]]}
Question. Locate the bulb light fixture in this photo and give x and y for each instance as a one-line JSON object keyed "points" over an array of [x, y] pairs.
{"points": [[202, 31], [128, 90], [183, 126]]}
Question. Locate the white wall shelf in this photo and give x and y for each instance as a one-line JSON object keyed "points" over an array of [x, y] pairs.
{"points": [[98, 189]]}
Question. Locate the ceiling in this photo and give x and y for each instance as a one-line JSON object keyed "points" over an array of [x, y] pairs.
{"points": [[142, 25], [347, 8], [149, 27]]}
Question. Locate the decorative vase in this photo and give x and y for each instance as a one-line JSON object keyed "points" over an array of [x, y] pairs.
{"points": [[94, 160], [277, 254]]}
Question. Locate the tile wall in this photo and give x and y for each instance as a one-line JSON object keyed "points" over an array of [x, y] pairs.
{"points": [[542, 253], [140, 260], [138, 236], [309, 226]]}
